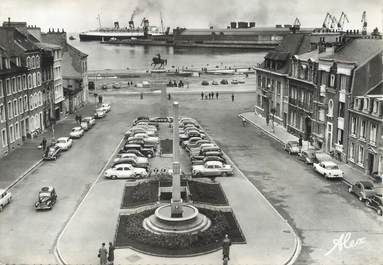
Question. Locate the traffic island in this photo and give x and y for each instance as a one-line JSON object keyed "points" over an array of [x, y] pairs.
{"points": [[132, 234]]}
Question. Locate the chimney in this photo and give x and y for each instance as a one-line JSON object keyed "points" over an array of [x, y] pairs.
{"points": [[9, 21]]}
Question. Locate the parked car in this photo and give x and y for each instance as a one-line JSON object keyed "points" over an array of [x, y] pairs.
{"points": [[84, 125], [190, 133], [146, 138], [241, 81], [116, 85], [140, 160], [106, 107], [224, 82], [142, 143], [125, 171], [196, 150], [77, 132], [375, 202], [197, 144], [307, 156], [161, 119], [234, 82], [100, 113], [190, 141], [91, 121], [141, 118], [292, 147], [205, 83], [5, 198], [133, 151], [215, 83], [212, 168], [206, 154], [64, 143], [52, 152], [207, 159], [134, 130], [147, 151], [328, 169], [364, 190], [46, 198]]}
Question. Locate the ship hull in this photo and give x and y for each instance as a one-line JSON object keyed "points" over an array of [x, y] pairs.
{"points": [[94, 37]]}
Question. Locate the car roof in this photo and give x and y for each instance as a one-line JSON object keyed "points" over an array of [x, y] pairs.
{"points": [[213, 163], [328, 163], [366, 184], [63, 138], [47, 189], [122, 165]]}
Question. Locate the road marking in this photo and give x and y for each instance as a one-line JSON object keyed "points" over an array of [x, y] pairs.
{"points": [[57, 252]]}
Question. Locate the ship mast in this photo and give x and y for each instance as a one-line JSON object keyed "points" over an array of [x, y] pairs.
{"points": [[162, 23], [99, 20]]}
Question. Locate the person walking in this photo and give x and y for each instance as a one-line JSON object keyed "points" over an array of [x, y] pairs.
{"points": [[102, 254], [232, 97], [44, 144], [226, 243], [169, 97], [216, 95], [201, 95], [300, 143], [209, 95], [111, 253]]}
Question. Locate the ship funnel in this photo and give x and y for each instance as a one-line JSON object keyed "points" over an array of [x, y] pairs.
{"points": [[131, 24], [116, 25]]}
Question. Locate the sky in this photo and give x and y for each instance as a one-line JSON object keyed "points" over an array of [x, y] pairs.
{"points": [[81, 15]]}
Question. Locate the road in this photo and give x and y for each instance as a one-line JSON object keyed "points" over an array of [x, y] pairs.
{"points": [[319, 210]]}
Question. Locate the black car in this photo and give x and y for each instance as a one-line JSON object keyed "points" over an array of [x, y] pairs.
{"points": [[46, 198], [141, 118], [148, 152], [307, 156], [206, 154], [132, 151], [52, 152], [375, 202], [208, 158]]}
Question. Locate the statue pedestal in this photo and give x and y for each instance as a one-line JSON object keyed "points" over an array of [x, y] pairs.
{"points": [[176, 208]]}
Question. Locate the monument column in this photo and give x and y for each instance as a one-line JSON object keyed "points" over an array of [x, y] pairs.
{"points": [[176, 202]]}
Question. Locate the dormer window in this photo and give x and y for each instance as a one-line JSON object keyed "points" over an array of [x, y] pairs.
{"points": [[330, 111]]}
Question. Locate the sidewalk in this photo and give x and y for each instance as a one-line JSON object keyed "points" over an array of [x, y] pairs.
{"points": [[280, 134], [27, 157]]}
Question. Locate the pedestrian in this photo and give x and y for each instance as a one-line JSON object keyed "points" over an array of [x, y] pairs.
{"points": [[174, 83], [102, 254], [100, 99], [206, 96], [201, 95], [44, 144], [226, 243], [232, 97], [300, 143], [79, 119], [169, 97], [111, 253], [212, 95], [216, 95], [141, 95]]}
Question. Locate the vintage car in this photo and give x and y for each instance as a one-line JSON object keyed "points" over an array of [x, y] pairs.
{"points": [[292, 147], [147, 151], [191, 140], [364, 190], [205, 83], [224, 82], [161, 119], [46, 198], [307, 156], [209, 153], [197, 144], [100, 113], [64, 143], [141, 129], [142, 142], [106, 107], [234, 82], [125, 171], [211, 169], [328, 169], [146, 138], [52, 152], [84, 125], [5, 198], [90, 120], [375, 202], [195, 151], [76, 132], [132, 151], [138, 159], [190, 133], [214, 83], [141, 118], [208, 158]]}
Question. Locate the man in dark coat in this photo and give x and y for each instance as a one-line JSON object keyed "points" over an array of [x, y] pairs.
{"points": [[300, 143], [44, 143], [102, 254], [216, 95], [201, 95], [232, 97], [226, 243], [111, 253]]}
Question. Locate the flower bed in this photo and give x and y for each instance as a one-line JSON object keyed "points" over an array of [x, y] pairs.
{"points": [[210, 193], [130, 233], [139, 195]]}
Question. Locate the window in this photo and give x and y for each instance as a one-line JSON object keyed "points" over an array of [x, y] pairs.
{"points": [[34, 79], [341, 109], [15, 108], [330, 108], [332, 80], [278, 88], [2, 113], [33, 62], [37, 61], [361, 155], [363, 130], [25, 82], [351, 151], [4, 137], [343, 82], [8, 86], [373, 131], [21, 108], [25, 103], [13, 85], [10, 110], [1, 89], [11, 134], [30, 102], [29, 81], [324, 80], [340, 136], [353, 126], [38, 79], [19, 84], [28, 62], [17, 131]]}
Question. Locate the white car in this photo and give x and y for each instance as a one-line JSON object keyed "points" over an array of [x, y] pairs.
{"points": [[328, 169], [211, 169], [106, 107], [125, 171], [134, 130], [138, 159], [5, 198], [64, 143], [100, 113], [76, 132], [146, 138]]}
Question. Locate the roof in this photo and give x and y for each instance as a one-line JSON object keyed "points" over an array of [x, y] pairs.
{"points": [[378, 90], [77, 51], [22, 41], [48, 46], [69, 72], [358, 51], [367, 184], [295, 44], [237, 31], [314, 55]]}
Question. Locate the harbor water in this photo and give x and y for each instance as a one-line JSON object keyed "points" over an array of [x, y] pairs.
{"points": [[107, 56]]}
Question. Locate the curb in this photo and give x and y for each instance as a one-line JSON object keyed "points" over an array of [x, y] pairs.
{"points": [[23, 175], [191, 92], [57, 251], [297, 240]]}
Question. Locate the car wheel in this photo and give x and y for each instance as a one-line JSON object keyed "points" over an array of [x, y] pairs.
{"points": [[224, 174], [113, 177], [367, 203], [150, 155]]}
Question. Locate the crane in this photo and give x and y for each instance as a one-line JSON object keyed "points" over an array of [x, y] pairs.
{"points": [[327, 21], [333, 22], [364, 23], [343, 18], [162, 23]]}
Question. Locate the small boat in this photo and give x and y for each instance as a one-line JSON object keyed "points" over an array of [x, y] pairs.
{"points": [[72, 38]]}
